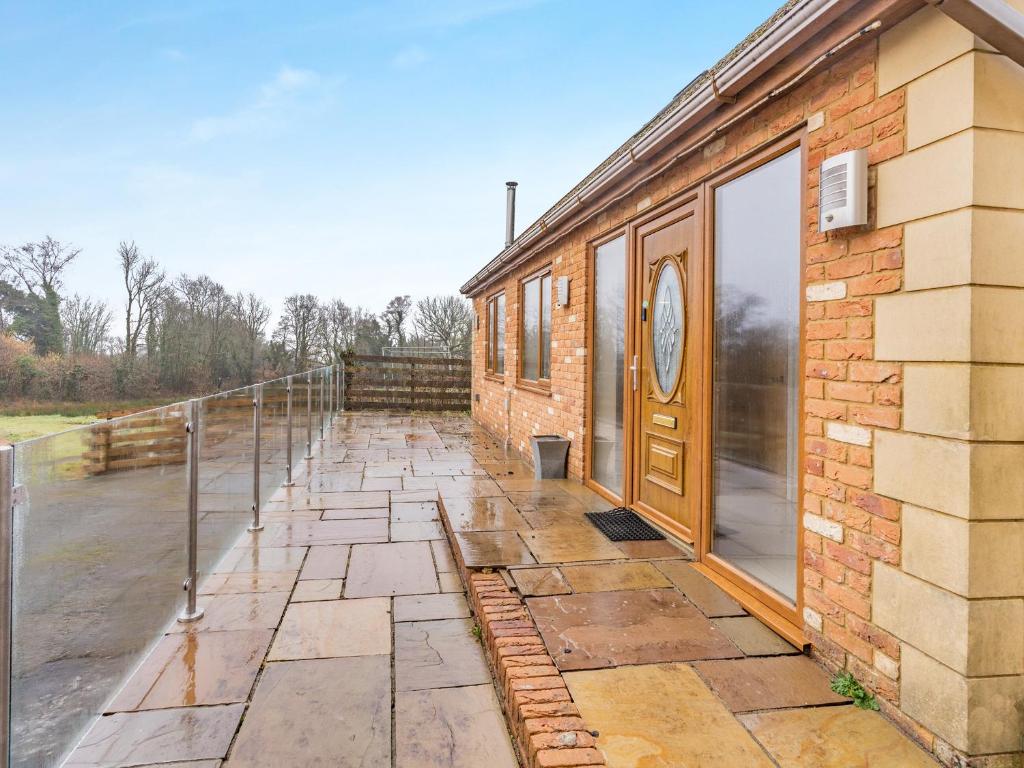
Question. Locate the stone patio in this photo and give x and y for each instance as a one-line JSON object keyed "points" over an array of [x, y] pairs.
{"points": [[341, 635], [337, 636]]}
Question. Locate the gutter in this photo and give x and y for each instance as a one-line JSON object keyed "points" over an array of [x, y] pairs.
{"points": [[995, 21], [761, 55]]}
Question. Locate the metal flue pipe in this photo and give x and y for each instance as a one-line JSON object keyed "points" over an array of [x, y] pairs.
{"points": [[510, 212]]}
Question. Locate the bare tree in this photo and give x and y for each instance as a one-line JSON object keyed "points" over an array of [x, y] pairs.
{"points": [[339, 331], [299, 328], [144, 286], [394, 318], [38, 267], [445, 321], [86, 324], [253, 314]]}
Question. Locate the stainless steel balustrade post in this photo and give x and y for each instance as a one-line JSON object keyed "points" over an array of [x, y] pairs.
{"points": [[288, 481], [321, 405], [330, 394], [341, 386], [257, 415], [192, 612], [6, 597], [309, 415]]}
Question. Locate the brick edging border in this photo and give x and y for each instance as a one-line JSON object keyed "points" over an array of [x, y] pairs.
{"points": [[540, 712], [545, 724]]}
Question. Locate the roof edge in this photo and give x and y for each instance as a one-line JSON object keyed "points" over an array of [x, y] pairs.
{"points": [[734, 71], [995, 21]]}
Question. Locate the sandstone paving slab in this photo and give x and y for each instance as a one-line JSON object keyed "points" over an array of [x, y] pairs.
{"points": [[416, 531], [450, 582], [262, 560], [484, 514], [443, 560], [158, 736], [509, 468], [700, 590], [451, 728], [438, 654], [186, 764], [388, 469], [399, 568], [610, 629], [429, 494], [330, 562], [251, 610], [538, 582], [492, 548], [311, 590], [357, 513], [834, 737], [562, 544], [323, 532], [428, 607], [466, 486], [772, 682], [333, 482], [236, 583], [754, 638], [614, 576], [318, 713], [333, 629], [381, 484], [650, 549], [413, 511], [195, 668], [355, 500], [661, 716]]}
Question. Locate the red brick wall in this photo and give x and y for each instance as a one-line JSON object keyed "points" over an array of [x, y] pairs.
{"points": [[847, 394]]}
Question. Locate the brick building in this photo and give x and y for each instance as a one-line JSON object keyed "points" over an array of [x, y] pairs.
{"points": [[829, 416]]}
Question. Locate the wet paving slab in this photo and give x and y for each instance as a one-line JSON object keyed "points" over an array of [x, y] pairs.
{"points": [[322, 712], [429, 607], [754, 638], [399, 568], [699, 590], [451, 728], [334, 629], [661, 716], [614, 577], [196, 669], [540, 582], [330, 562], [610, 629], [158, 736], [484, 514], [492, 548], [438, 654], [834, 737], [747, 685]]}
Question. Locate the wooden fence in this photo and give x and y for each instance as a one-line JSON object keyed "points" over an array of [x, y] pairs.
{"points": [[373, 382]]}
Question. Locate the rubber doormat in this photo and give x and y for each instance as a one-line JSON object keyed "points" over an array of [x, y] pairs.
{"points": [[623, 524]]}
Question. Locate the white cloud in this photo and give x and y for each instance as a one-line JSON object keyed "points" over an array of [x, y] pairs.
{"points": [[281, 95], [410, 58]]}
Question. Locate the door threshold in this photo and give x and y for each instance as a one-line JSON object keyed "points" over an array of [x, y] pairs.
{"points": [[759, 610]]}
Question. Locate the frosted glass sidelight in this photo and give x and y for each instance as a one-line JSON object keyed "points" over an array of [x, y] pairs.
{"points": [[606, 465], [756, 372]]}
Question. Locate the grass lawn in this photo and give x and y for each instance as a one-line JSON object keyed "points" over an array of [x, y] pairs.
{"points": [[16, 428]]}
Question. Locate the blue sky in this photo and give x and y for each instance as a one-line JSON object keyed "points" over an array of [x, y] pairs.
{"points": [[352, 150]]}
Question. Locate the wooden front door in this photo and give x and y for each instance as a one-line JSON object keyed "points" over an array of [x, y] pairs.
{"points": [[666, 381]]}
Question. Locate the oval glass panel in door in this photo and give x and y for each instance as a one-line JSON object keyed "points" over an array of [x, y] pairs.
{"points": [[667, 325]]}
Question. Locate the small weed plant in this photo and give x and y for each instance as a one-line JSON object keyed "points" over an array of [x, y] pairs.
{"points": [[845, 684]]}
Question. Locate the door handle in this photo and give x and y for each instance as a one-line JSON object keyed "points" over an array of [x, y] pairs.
{"points": [[632, 370]]}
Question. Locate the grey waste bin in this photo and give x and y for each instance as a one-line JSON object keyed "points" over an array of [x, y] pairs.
{"points": [[549, 455]]}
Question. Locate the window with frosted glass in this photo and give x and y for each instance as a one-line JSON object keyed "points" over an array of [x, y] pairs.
{"points": [[535, 349], [609, 350], [756, 372]]}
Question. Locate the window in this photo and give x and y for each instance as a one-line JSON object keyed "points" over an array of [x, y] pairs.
{"points": [[756, 410], [607, 442], [535, 333], [496, 334]]}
